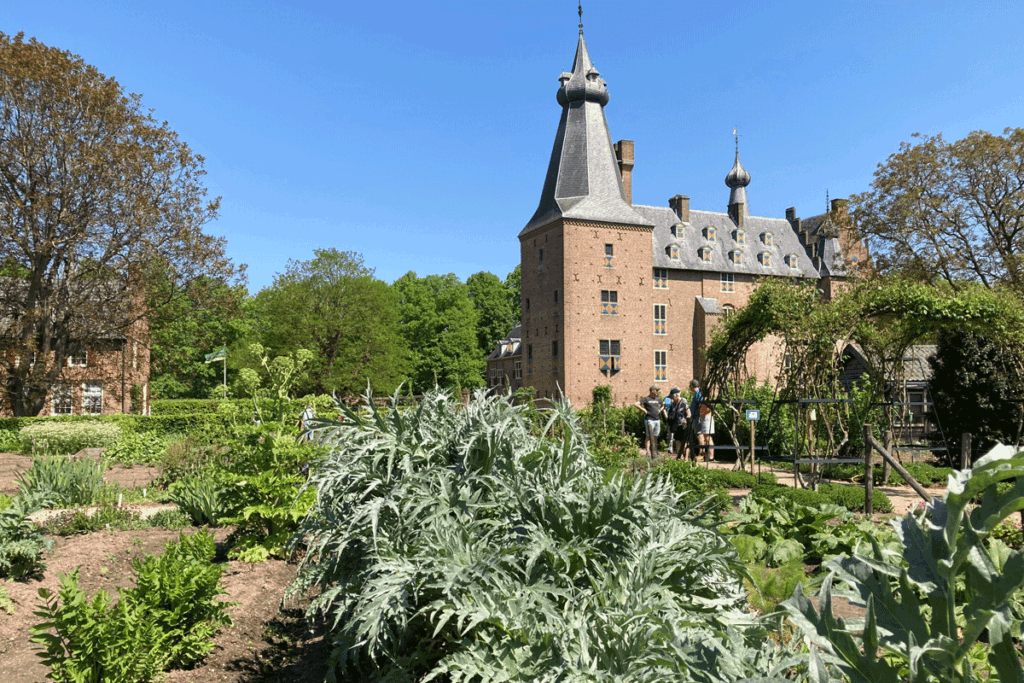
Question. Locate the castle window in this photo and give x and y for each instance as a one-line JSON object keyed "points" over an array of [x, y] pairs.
{"points": [[519, 369], [736, 257], [609, 252], [554, 348], [661, 278], [673, 251], [728, 282], [527, 304], [709, 233], [540, 258], [660, 315], [529, 359], [92, 398], [661, 366], [677, 230], [494, 376], [739, 236], [704, 253], [78, 358], [792, 261], [61, 398], [609, 302], [609, 358], [766, 237], [556, 296], [765, 259], [728, 311]]}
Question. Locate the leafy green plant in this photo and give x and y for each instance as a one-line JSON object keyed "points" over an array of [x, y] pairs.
{"points": [[167, 620], [1009, 532], [173, 519], [694, 484], [5, 601], [67, 437], [966, 595], [769, 586], [735, 479], [21, 543], [201, 498], [68, 481], [136, 449], [853, 498], [453, 543], [10, 441]]}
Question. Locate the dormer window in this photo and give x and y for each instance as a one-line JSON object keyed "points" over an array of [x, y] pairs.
{"points": [[792, 261], [677, 231], [673, 251], [709, 233], [765, 259], [767, 238], [739, 236], [704, 254], [736, 257]]}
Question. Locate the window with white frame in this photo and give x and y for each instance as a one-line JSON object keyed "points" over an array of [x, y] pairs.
{"points": [[609, 358], [704, 253], [661, 278], [661, 366], [767, 238], [765, 259], [660, 315], [736, 257], [728, 311], [519, 369], [677, 230], [673, 251], [61, 399], [92, 398], [78, 358], [792, 261], [739, 236], [709, 233], [728, 282]]}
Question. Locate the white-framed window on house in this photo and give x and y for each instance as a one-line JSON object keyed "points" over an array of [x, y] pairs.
{"points": [[61, 398], [709, 233], [728, 311], [673, 251], [792, 261], [728, 282], [767, 238], [704, 253], [609, 302], [78, 358], [609, 356], [765, 259], [519, 369], [739, 236], [661, 366], [736, 257], [92, 398], [677, 230], [660, 317], [661, 278]]}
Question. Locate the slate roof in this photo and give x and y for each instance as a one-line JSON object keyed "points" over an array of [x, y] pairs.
{"points": [[583, 180], [916, 367], [509, 346]]}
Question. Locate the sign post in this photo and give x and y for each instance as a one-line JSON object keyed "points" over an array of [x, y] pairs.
{"points": [[752, 416]]}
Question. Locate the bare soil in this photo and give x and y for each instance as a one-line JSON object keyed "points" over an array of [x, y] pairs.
{"points": [[269, 640]]}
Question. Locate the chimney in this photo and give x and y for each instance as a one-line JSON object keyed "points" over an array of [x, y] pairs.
{"points": [[738, 213], [791, 214], [681, 205], [839, 206], [624, 157]]}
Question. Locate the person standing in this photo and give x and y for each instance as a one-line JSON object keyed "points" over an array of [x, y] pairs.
{"points": [[678, 413], [703, 420], [653, 409]]}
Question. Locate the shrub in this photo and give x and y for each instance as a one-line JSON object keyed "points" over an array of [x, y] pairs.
{"points": [[453, 543], [67, 438], [10, 441], [769, 586], [853, 497], [21, 543], [736, 479], [136, 449], [68, 481], [693, 483], [172, 519]]}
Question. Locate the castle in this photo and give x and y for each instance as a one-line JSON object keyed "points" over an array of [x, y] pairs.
{"points": [[628, 295]]}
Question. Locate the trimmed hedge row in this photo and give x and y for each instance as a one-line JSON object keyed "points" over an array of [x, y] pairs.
{"points": [[158, 425]]}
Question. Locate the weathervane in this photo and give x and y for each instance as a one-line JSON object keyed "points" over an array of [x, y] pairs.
{"points": [[737, 141]]}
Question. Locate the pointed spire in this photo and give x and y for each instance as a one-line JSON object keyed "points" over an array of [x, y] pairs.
{"points": [[737, 180], [583, 180]]}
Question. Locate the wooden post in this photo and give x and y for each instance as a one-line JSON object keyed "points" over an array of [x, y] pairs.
{"points": [[886, 467], [869, 473], [965, 451]]}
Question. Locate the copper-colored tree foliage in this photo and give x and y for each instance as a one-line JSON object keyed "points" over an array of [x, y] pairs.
{"points": [[95, 196], [950, 211]]}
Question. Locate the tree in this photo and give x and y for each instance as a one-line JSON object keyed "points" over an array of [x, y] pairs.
{"points": [[439, 324], [494, 310], [96, 198], [951, 211], [333, 306], [514, 288], [210, 314]]}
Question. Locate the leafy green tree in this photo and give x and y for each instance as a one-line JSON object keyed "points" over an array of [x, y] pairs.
{"points": [[212, 313], [335, 307], [514, 287], [974, 390], [96, 196], [494, 310], [439, 323], [950, 211]]}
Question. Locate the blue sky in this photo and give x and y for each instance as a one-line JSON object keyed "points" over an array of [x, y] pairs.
{"points": [[418, 134]]}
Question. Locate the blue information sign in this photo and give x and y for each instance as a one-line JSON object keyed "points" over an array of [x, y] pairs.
{"points": [[753, 415]]}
